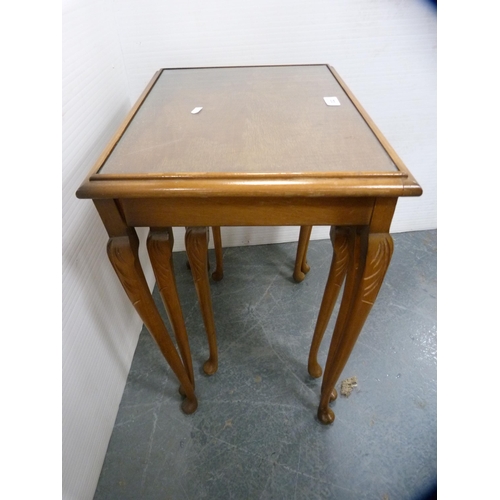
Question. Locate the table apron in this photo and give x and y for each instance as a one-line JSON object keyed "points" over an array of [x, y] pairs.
{"points": [[248, 211]]}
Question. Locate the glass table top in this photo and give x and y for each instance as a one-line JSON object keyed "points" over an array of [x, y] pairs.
{"points": [[253, 120]]}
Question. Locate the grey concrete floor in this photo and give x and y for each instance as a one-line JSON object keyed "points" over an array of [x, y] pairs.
{"points": [[255, 434]]}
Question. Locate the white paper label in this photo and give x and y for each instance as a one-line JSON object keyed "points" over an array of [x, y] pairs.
{"points": [[196, 110], [331, 101]]}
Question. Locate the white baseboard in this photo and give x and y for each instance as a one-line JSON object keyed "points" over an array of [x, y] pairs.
{"points": [[255, 235]]}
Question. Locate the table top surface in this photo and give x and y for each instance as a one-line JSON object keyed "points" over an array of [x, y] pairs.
{"points": [[270, 123], [253, 120]]}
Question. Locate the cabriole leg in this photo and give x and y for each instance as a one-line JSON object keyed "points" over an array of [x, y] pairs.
{"points": [[123, 254], [338, 269], [301, 266], [370, 255], [197, 250], [218, 274], [160, 243]]}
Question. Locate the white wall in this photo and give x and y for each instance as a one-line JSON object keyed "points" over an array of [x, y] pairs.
{"points": [[100, 328], [386, 53]]}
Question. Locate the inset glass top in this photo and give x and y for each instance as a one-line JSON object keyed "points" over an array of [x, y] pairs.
{"points": [[265, 119]]}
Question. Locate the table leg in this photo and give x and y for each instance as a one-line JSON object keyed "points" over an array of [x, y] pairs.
{"points": [[301, 266], [197, 250], [338, 269], [123, 254], [369, 258], [160, 243], [218, 274]]}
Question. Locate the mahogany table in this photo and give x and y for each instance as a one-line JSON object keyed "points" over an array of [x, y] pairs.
{"points": [[270, 146]]}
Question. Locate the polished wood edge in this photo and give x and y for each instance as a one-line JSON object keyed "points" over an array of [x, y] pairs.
{"points": [[123, 127], [249, 66], [411, 183], [284, 188], [243, 176]]}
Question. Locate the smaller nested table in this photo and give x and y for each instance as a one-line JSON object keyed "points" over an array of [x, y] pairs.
{"points": [[271, 145]]}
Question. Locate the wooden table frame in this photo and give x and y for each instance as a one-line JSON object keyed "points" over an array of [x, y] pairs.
{"points": [[359, 207]]}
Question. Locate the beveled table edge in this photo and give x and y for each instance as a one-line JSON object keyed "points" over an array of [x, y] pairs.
{"points": [[280, 187]]}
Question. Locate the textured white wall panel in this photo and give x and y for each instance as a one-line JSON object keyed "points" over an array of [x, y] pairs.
{"points": [[100, 328]]}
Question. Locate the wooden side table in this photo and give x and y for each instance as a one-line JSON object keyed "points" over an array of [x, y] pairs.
{"points": [[271, 145]]}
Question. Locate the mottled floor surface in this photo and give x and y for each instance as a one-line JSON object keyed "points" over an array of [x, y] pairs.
{"points": [[255, 434]]}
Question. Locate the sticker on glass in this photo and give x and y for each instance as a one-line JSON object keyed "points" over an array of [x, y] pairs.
{"points": [[331, 101]]}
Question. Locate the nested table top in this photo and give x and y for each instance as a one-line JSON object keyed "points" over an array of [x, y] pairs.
{"points": [[292, 130], [270, 119]]}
